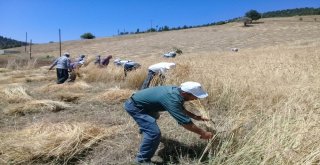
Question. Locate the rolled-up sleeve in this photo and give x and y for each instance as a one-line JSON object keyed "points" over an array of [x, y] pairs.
{"points": [[175, 109]]}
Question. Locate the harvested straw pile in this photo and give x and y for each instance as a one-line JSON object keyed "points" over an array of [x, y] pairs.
{"points": [[2, 70], [50, 143], [69, 97], [14, 94], [108, 74], [76, 86], [36, 106], [114, 95]]}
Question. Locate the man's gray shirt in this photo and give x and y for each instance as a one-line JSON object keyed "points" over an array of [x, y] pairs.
{"points": [[62, 62]]}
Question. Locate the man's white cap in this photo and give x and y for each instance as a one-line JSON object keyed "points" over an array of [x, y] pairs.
{"points": [[81, 62], [194, 88]]}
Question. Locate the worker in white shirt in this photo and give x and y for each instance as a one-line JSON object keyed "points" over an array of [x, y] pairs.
{"points": [[157, 69]]}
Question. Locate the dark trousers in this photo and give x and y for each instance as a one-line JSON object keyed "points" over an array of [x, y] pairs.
{"points": [[127, 68], [62, 75], [148, 79], [149, 128]]}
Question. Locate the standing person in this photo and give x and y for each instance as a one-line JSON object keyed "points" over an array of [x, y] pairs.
{"points": [[62, 65], [129, 66], [157, 69], [105, 61], [144, 107]]}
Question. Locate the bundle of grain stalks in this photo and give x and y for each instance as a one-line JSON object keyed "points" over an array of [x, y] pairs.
{"points": [[76, 86], [36, 106], [135, 79], [14, 94], [53, 143], [2, 70], [110, 73], [181, 73], [114, 95]]}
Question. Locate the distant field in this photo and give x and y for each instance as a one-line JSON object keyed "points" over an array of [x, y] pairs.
{"points": [[264, 99]]}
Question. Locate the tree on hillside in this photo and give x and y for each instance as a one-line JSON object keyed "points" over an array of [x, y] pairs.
{"points": [[10, 43], [87, 36], [253, 14]]}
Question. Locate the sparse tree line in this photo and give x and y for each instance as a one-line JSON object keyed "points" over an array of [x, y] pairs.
{"points": [[6, 43], [292, 12], [252, 14]]}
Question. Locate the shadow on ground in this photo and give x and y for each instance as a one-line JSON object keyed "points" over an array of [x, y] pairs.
{"points": [[173, 151]]}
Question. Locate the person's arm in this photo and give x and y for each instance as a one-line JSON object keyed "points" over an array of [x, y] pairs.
{"points": [[53, 64], [193, 128], [195, 117]]}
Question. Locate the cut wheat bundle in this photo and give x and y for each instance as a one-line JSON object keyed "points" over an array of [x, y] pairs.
{"points": [[115, 95], [36, 106], [14, 94], [50, 142], [76, 86]]}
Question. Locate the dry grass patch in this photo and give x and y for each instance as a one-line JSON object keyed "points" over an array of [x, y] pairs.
{"points": [[73, 87], [111, 73], [135, 78], [36, 106], [114, 95], [69, 97], [14, 94], [2, 70], [47, 142]]}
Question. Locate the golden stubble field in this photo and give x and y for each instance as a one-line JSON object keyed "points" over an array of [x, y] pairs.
{"points": [[264, 99]]}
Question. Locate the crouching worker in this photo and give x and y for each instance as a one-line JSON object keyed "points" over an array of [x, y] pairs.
{"points": [[74, 70], [105, 61], [62, 65], [144, 107], [157, 69], [129, 66]]}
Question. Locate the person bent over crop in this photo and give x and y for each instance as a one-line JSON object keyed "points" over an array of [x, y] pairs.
{"points": [[144, 106], [157, 69]]}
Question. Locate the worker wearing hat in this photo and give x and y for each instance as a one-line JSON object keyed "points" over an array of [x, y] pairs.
{"points": [[62, 65], [144, 105]]}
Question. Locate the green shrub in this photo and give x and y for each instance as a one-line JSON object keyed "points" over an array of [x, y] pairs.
{"points": [[87, 36]]}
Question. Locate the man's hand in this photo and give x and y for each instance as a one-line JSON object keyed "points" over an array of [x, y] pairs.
{"points": [[206, 135]]}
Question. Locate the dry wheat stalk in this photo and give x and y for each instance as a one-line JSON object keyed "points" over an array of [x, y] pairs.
{"points": [[50, 142]]}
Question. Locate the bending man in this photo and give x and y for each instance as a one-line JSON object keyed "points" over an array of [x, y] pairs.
{"points": [[157, 69], [144, 107]]}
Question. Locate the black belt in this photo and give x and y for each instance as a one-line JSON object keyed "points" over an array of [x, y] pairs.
{"points": [[134, 102]]}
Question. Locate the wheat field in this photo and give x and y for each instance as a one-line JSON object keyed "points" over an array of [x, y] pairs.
{"points": [[263, 100]]}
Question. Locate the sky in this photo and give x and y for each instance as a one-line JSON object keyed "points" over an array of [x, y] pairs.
{"points": [[42, 19]]}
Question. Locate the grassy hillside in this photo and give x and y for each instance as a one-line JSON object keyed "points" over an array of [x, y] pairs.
{"points": [[263, 99]]}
